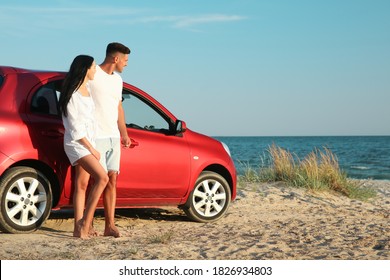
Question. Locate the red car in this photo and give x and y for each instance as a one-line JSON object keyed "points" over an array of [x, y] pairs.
{"points": [[167, 164]]}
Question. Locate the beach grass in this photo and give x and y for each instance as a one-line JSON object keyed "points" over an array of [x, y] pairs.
{"points": [[162, 237], [318, 171]]}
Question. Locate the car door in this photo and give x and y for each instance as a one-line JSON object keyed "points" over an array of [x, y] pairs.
{"points": [[46, 128], [157, 165]]}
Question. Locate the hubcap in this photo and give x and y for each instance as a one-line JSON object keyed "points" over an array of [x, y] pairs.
{"points": [[25, 201], [209, 198]]}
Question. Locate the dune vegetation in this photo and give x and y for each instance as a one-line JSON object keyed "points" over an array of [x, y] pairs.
{"points": [[318, 171]]}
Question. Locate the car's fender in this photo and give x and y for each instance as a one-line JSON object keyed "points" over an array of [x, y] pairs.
{"points": [[202, 159]]}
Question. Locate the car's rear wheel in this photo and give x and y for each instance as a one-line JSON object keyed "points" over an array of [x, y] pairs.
{"points": [[26, 200], [210, 198]]}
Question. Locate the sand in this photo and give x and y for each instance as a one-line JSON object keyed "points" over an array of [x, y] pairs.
{"points": [[267, 221]]}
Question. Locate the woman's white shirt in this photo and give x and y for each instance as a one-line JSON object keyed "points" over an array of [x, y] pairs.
{"points": [[79, 123]]}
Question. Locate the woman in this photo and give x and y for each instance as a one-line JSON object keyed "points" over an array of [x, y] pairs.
{"points": [[77, 108]]}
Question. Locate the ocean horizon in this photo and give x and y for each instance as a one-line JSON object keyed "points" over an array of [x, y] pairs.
{"points": [[360, 157]]}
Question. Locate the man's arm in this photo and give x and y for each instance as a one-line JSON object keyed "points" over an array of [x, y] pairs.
{"points": [[122, 126]]}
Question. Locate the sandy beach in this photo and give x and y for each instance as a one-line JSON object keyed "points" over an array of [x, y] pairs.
{"points": [[266, 222]]}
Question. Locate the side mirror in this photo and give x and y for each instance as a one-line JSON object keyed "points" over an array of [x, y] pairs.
{"points": [[180, 127]]}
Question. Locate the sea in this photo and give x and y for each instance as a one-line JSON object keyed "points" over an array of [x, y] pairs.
{"points": [[360, 157]]}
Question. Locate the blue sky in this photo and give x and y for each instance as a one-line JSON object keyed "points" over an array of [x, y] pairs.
{"points": [[233, 67]]}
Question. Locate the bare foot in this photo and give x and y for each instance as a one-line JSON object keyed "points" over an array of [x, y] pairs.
{"points": [[80, 230], [92, 232], [112, 231], [77, 228]]}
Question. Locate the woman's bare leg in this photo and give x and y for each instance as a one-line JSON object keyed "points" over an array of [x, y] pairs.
{"points": [[81, 185], [93, 167]]}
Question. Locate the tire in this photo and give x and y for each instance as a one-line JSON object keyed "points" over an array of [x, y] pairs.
{"points": [[210, 198], [26, 200]]}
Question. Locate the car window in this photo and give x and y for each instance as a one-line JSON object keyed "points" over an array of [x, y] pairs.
{"points": [[141, 115], [1, 80], [45, 99]]}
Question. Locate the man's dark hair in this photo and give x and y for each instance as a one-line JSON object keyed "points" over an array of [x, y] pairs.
{"points": [[113, 48]]}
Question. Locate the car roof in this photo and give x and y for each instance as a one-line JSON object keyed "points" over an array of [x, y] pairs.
{"points": [[7, 70], [48, 74]]}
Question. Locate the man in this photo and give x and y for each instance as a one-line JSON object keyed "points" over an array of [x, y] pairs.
{"points": [[106, 91]]}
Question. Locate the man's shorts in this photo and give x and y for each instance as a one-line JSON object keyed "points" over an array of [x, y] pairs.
{"points": [[110, 153]]}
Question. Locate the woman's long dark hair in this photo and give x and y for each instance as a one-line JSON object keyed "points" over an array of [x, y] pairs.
{"points": [[73, 80]]}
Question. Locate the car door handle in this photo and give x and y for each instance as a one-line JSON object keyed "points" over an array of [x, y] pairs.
{"points": [[133, 143]]}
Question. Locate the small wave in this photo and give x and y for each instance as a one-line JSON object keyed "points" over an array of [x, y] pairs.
{"points": [[360, 167]]}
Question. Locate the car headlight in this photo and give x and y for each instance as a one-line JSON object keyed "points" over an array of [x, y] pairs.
{"points": [[226, 148]]}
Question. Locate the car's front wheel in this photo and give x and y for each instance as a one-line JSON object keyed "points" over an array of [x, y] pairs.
{"points": [[210, 198], [26, 200]]}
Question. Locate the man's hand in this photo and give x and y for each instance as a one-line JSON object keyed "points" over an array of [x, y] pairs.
{"points": [[126, 141]]}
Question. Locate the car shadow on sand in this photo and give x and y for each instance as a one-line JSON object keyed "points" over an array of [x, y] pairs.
{"points": [[58, 218], [131, 213]]}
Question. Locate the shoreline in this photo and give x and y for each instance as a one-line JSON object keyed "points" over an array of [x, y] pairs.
{"points": [[267, 221], [360, 156]]}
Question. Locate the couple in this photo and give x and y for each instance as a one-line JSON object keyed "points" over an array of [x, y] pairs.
{"points": [[94, 122]]}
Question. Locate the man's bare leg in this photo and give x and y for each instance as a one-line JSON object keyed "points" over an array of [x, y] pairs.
{"points": [[109, 197]]}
